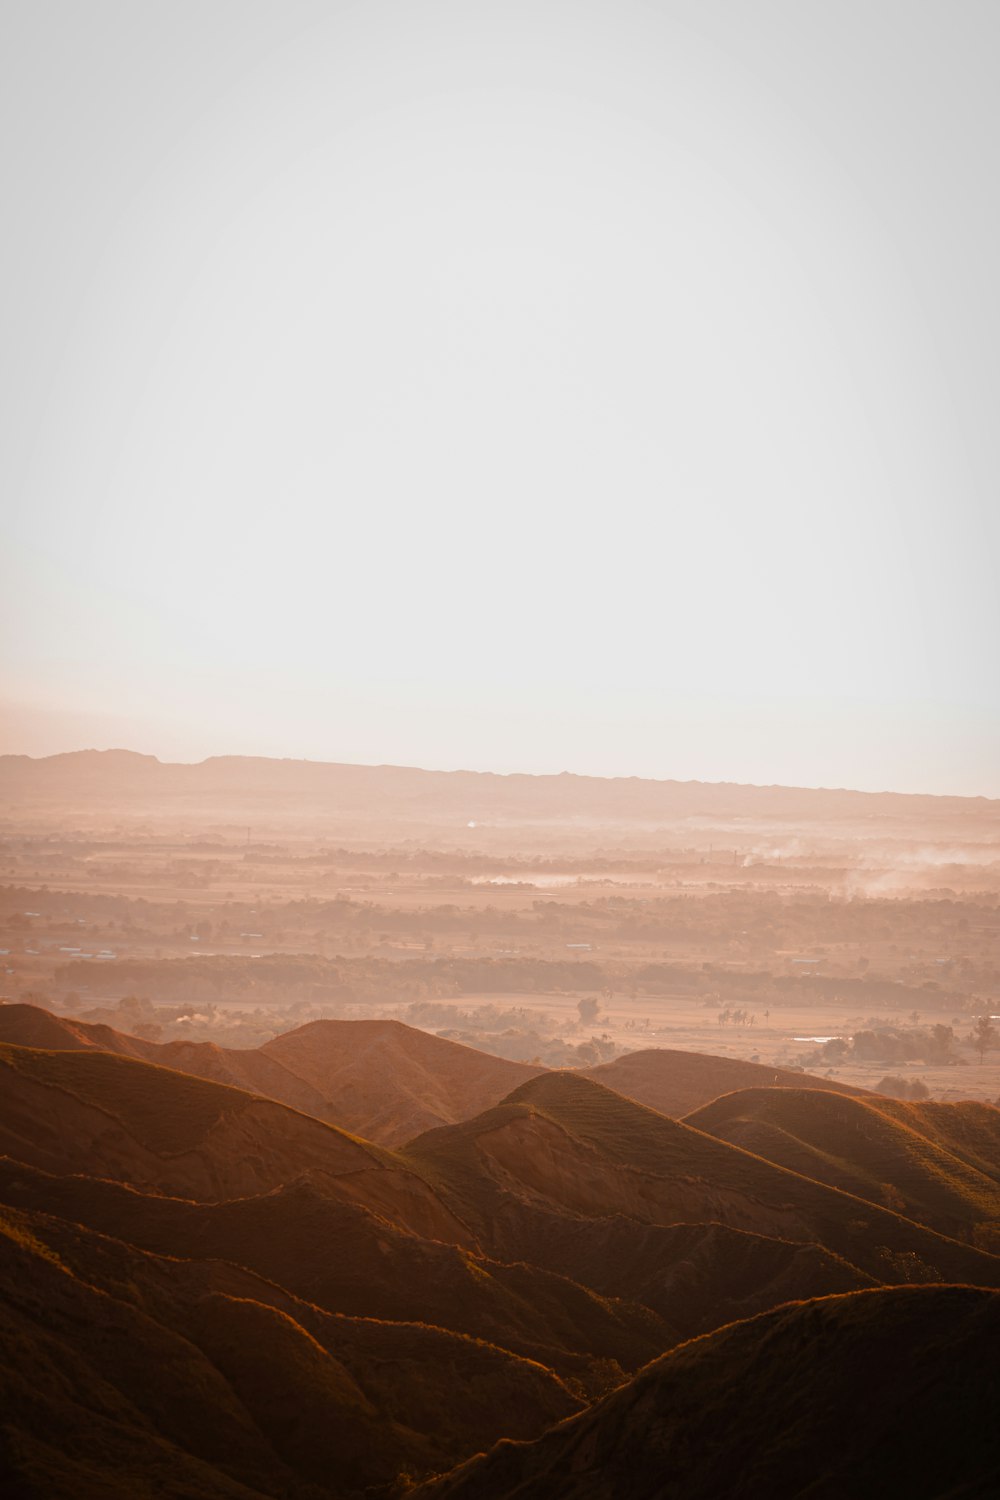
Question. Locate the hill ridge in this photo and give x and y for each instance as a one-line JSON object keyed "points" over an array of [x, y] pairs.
{"points": [[798, 1427]]}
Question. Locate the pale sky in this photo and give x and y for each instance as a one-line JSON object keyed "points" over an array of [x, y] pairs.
{"points": [[608, 387]]}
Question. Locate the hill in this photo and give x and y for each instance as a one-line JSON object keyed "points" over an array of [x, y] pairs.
{"points": [[564, 1141], [694, 1276], [243, 1068], [123, 1373], [389, 1081], [380, 1079], [341, 1257], [677, 1083], [166, 1132], [888, 1151], [207, 1293], [870, 1394]]}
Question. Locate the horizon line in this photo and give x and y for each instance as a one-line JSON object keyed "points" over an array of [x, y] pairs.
{"points": [[506, 775]]}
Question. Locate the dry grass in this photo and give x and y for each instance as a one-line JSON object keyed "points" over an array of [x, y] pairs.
{"points": [[566, 1139], [891, 1153]]}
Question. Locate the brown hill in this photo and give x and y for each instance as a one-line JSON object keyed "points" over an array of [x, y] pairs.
{"points": [[676, 1083], [694, 1276], [329, 1312], [654, 1285], [876, 1393], [967, 1129], [389, 1082], [341, 1257], [880, 1149], [242, 1067], [380, 1079], [123, 1373], [566, 1142], [167, 1132]]}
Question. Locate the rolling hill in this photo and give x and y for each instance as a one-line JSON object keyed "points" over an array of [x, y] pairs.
{"points": [[564, 1141], [877, 1393], [677, 1083], [208, 1293], [380, 1079], [243, 1068], [888, 1151], [167, 1132], [341, 1257], [124, 1373], [389, 1082]]}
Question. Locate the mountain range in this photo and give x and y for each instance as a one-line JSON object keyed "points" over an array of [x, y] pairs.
{"points": [[403, 794]]}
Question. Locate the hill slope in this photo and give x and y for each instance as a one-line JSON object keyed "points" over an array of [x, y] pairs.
{"points": [[676, 1083], [565, 1141], [242, 1067], [872, 1394], [158, 1222], [342, 1257], [888, 1151], [379, 1079], [389, 1081], [167, 1132], [199, 1379]]}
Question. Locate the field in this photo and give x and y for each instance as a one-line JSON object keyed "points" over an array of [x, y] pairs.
{"points": [[551, 919]]}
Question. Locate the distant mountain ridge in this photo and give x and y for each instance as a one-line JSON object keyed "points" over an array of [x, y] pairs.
{"points": [[412, 793]]}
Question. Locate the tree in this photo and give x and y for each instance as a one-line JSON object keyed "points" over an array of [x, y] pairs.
{"points": [[984, 1037], [940, 1043], [587, 1009]]}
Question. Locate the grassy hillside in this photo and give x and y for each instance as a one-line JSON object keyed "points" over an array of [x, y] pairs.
{"points": [[676, 1083], [165, 1112], [341, 1257], [244, 1068], [167, 1132], [873, 1394], [379, 1079], [388, 1081], [695, 1276], [200, 1378], [887, 1151], [207, 1293], [564, 1140]]}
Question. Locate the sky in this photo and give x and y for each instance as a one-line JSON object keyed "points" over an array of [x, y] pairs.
{"points": [[605, 387]]}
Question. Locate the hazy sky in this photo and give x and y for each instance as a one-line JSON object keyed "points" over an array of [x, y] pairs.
{"points": [[596, 386]]}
